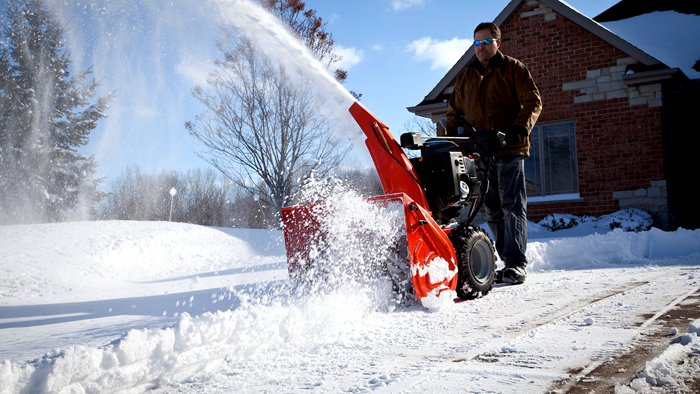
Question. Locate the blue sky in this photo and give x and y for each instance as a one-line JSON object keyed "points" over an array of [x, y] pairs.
{"points": [[152, 53]]}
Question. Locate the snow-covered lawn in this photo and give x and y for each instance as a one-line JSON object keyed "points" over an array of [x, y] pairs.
{"points": [[99, 307]]}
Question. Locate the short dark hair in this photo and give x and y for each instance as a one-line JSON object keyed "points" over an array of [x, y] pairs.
{"points": [[495, 30]]}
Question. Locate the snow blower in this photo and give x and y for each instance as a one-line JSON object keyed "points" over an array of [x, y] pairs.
{"points": [[438, 255]]}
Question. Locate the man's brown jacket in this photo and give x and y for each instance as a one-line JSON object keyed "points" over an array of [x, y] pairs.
{"points": [[500, 96]]}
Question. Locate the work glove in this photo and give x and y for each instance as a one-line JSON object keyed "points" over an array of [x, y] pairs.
{"points": [[515, 134]]}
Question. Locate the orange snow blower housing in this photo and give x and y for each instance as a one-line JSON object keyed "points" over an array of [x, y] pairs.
{"points": [[444, 257]]}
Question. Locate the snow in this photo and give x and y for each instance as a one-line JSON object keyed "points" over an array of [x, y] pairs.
{"points": [[669, 47], [670, 367], [127, 307]]}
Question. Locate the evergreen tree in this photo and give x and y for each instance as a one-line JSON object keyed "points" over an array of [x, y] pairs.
{"points": [[46, 116]]}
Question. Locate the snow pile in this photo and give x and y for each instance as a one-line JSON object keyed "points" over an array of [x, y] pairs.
{"points": [[144, 359], [669, 371], [636, 31], [113, 259], [211, 303], [618, 238], [439, 272]]}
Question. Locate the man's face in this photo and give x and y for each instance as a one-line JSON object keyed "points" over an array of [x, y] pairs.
{"points": [[485, 52]]}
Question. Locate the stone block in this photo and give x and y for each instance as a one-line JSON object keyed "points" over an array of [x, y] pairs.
{"points": [[628, 204], [634, 93], [655, 87], [626, 60], [659, 183], [655, 103], [550, 17], [654, 192], [640, 192], [599, 96], [660, 202], [586, 83], [616, 94], [623, 194], [638, 101], [592, 74], [583, 99], [535, 12], [605, 78], [645, 202], [616, 76], [608, 86], [618, 69]]}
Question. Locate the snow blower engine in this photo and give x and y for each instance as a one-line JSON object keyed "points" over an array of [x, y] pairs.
{"points": [[441, 256], [452, 171]]}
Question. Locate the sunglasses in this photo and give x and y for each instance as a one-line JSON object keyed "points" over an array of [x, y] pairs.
{"points": [[486, 41]]}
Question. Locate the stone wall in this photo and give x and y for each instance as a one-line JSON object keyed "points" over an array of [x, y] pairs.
{"points": [[606, 84], [653, 199]]}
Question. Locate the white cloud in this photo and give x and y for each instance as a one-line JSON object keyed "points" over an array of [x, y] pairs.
{"points": [[377, 47], [442, 54], [195, 70], [350, 57], [399, 5]]}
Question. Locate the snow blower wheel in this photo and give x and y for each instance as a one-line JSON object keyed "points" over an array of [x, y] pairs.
{"points": [[476, 258]]}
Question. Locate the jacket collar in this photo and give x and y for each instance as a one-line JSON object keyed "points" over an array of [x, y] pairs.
{"points": [[495, 61]]}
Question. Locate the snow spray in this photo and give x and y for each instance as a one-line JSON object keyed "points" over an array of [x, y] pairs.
{"points": [[274, 39], [152, 53], [271, 323]]}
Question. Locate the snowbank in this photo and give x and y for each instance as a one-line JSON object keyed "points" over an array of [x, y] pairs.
{"points": [[588, 242], [615, 247], [678, 363], [223, 298]]}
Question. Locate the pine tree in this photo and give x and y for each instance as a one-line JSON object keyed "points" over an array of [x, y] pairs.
{"points": [[46, 115]]}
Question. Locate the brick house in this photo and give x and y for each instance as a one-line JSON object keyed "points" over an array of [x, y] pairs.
{"points": [[617, 124]]}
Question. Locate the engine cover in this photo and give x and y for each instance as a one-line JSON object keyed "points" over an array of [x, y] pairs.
{"points": [[441, 173]]}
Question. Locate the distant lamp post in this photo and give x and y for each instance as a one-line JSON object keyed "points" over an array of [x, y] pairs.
{"points": [[172, 197], [256, 196]]}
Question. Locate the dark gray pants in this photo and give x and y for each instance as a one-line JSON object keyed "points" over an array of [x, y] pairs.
{"points": [[506, 205]]}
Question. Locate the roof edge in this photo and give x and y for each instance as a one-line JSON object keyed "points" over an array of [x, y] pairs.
{"points": [[653, 76], [427, 110], [600, 31]]}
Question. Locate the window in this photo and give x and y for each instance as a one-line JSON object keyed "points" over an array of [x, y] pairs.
{"points": [[552, 168]]}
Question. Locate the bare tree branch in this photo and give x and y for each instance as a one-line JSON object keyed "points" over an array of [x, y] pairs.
{"points": [[262, 126]]}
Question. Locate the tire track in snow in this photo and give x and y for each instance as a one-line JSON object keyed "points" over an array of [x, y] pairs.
{"points": [[652, 341], [520, 354]]}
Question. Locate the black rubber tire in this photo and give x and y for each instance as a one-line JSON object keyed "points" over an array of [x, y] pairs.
{"points": [[476, 259]]}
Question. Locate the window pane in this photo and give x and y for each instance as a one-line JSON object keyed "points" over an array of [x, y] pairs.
{"points": [[561, 175], [533, 183]]}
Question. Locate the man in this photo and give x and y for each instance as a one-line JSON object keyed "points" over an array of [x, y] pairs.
{"points": [[497, 92]]}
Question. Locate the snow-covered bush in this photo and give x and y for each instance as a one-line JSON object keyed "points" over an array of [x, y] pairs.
{"points": [[627, 219], [556, 222]]}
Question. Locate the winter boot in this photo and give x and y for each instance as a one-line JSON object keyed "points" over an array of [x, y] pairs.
{"points": [[498, 277], [514, 275]]}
